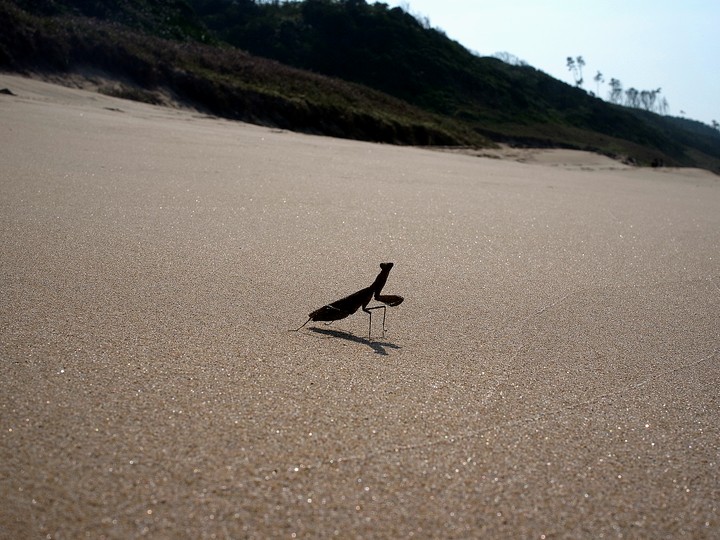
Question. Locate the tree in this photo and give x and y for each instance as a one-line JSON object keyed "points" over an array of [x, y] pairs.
{"points": [[632, 97], [616, 91], [580, 65], [646, 100], [639, 99], [598, 79], [509, 59], [575, 66]]}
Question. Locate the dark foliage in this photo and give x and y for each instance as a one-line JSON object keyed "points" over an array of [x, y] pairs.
{"points": [[221, 80], [173, 19]]}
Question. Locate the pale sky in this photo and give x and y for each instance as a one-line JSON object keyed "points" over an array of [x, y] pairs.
{"points": [[668, 44]]}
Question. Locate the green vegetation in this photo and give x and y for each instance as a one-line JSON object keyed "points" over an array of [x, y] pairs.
{"points": [[337, 67], [216, 78]]}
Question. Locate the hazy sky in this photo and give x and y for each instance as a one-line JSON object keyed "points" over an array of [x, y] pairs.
{"points": [[668, 44]]}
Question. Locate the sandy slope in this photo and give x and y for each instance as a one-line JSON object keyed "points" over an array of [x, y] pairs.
{"points": [[553, 370]]}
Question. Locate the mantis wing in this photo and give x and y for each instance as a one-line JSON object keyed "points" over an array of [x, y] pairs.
{"points": [[328, 313]]}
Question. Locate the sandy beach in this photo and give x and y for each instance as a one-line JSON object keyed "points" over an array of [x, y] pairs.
{"points": [[552, 373]]}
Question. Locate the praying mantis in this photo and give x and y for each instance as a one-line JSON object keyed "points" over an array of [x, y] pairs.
{"points": [[350, 304]]}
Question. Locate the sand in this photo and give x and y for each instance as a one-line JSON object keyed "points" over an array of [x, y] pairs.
{"points": [[552, 373]]}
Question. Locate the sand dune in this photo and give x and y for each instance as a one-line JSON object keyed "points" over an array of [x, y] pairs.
{"points": [[553, 371]]}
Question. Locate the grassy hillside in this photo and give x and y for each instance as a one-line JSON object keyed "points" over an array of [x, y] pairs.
{"points": [[358, 70], [390, 50], [59, 38], [172, 19]]}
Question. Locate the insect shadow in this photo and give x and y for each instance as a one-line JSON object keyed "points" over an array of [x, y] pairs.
{"points": [[350, 304], [377, 346]]}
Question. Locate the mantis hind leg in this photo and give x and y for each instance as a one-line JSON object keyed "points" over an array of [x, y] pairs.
{"points": [[368, 310]]}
